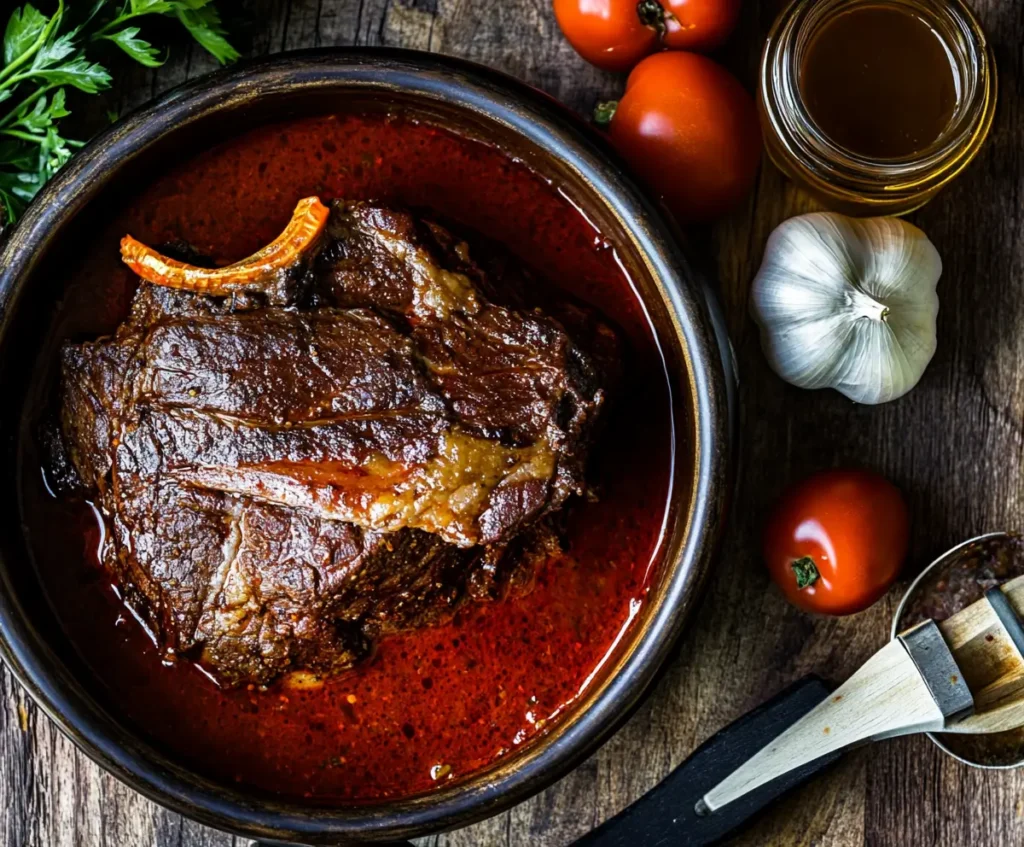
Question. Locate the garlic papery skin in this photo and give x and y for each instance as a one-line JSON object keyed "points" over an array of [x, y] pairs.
{"points": [[848, 303]]}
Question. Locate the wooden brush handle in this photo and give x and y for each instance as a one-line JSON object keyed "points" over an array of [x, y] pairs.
{"points": [[888, 696]]}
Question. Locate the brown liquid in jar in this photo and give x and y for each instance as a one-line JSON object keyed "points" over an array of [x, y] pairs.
{"points": [[878, 81]]}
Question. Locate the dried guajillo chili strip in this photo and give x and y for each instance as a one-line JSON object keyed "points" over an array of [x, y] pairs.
{"points": [[260, 268]]}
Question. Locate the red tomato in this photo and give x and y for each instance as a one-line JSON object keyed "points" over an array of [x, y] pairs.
{"points": [[616, 34], [837, 540], [699, 24], [607, 33], [689, 130]]}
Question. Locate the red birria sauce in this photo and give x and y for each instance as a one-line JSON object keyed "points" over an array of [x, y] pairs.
{"points": [[432, 705]]}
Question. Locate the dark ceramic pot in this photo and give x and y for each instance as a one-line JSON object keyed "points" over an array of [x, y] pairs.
{"points": [[551, 140]]}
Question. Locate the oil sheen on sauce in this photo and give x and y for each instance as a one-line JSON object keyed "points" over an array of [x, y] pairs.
{"points": [[877, 80], [439, 703]]}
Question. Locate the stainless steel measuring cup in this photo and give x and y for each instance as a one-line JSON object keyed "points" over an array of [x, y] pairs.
{"points": [[999, 751]]}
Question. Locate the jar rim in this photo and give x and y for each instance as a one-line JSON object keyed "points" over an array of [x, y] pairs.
{"points": [[845, 170]]}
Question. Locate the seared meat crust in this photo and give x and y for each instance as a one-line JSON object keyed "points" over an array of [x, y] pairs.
{"points": [[285, 484]]}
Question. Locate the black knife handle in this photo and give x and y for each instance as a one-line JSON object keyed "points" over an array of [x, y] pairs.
{"points": [[667, 815]]}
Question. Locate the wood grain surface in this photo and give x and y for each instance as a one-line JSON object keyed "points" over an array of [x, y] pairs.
{"points": [[955, 445]]}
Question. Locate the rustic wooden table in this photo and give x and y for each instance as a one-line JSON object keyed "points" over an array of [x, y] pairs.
{"points": [[955, 445]]}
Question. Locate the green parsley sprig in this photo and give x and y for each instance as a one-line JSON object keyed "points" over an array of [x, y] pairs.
{"points": [[44, 55]]}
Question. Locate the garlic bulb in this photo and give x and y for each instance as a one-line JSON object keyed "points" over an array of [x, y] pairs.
{"points": [[849, 304]]}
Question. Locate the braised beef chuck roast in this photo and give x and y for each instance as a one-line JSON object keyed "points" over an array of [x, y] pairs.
{"points": [[284, 484]]}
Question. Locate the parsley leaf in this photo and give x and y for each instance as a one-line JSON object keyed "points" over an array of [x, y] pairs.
{"points": [[204, 24], [199, 17], [139, 49], [24, 28], [44, 55], [54, 50], [44, 113], [150, 7], [50, 65]]}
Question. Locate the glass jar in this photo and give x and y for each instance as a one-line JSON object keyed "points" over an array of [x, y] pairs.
{"points": [[840, 178]]}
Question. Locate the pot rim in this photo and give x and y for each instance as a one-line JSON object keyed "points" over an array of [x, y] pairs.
{"points": [[697, 325]]}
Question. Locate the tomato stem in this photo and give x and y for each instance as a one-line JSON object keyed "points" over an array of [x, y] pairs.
{"points": [[652, 14], [605, 111], [806, 571]]}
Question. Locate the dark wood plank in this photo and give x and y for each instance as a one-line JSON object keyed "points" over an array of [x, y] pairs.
{"points": [[954, 444]]}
